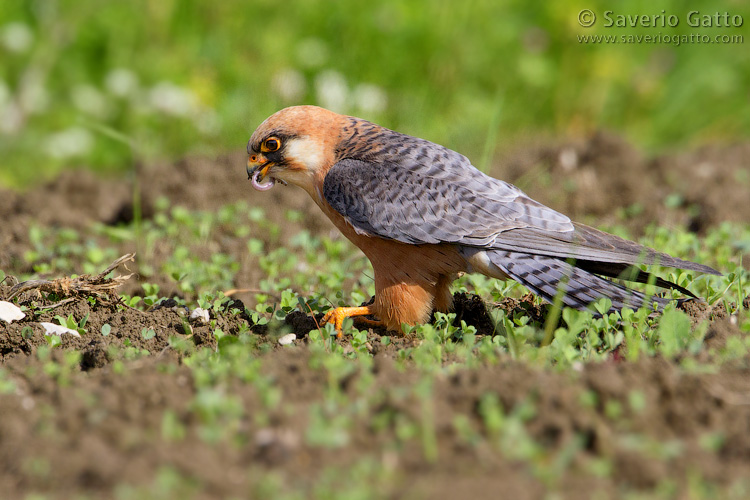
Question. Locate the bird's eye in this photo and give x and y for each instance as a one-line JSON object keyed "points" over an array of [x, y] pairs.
{"points": [[272, 144]]}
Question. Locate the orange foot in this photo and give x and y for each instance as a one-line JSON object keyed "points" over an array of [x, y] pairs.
{"points": [[337, 315]]}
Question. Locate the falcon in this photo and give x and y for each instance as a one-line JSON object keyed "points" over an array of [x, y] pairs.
{"points": [[423, 214]]}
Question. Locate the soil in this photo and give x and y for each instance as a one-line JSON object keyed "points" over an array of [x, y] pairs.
{"points": [[99, 430]]}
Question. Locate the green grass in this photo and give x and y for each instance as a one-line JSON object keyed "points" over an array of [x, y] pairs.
{"points": [[311, 274], [106, 86]]}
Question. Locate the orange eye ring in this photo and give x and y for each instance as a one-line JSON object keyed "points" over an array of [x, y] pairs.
{"points": [[271, 144]]}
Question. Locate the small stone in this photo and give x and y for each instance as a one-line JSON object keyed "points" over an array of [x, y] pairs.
{"points": [[200, 314], [287, 339], [10, 312], [53, 329]]}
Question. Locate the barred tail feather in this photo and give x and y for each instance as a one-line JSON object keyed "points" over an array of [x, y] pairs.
{"points": [[545, 276]]}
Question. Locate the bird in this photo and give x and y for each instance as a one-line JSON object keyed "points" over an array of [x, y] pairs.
{"points": [[423, 215]]}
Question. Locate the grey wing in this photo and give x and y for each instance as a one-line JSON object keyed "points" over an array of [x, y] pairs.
{"points": [[450, 201], [433, 203]]}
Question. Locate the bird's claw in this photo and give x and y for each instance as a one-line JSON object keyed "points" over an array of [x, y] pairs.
{"points": [[336, 317], [338, 314]]}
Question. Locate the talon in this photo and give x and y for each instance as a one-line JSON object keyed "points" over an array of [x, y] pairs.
{"points": [[337, 315]]}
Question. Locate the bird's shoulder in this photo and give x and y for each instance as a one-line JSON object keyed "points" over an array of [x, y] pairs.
{"points": [[370, 154], [366, 141]]}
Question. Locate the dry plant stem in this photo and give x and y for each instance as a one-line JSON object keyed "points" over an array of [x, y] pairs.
{"points": [[58, 304], [84, 285]]}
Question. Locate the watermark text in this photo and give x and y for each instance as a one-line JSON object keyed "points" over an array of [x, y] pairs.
{"points": [[665, 20]]}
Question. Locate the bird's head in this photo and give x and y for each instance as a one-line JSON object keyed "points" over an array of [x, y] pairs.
{"points": [[294, 145]]}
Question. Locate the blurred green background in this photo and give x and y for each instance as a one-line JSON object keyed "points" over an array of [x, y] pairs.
{"points": [[106, 84]]}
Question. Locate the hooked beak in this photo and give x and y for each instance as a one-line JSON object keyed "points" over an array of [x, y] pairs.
{"points": [[258, 162]]}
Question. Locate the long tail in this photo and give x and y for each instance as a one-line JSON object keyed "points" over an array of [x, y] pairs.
{"points": [[546, 276]]}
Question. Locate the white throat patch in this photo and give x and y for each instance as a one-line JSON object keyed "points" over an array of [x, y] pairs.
{"points": [[305, 151]]}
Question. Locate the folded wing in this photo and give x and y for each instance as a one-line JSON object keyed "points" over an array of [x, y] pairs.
{"points": [[421, 203]]}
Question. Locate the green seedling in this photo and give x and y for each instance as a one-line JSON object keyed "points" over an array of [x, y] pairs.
{"points": [[71, 323]]}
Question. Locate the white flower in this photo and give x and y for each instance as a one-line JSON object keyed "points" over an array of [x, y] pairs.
{"points": [[33, 97], [289, 84], [121, 82], [370, 98], [331, 90], [53, 329], [10, 312], [172, 99], [568, 159], [69, 143], [11, 118], [16, 37], [89, 100]]}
